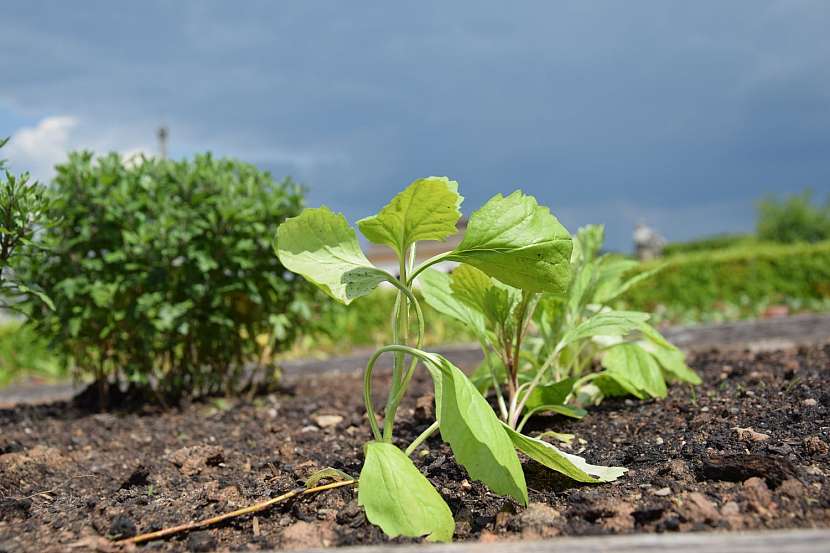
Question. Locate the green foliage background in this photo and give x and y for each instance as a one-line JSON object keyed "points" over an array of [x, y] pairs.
{"points": [[761, 273], [162, 271]]}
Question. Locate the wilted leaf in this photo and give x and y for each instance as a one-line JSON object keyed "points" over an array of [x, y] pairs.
{"points": [[570, 465]]}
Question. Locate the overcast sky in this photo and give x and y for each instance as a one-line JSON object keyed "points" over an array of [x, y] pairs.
{"points": [[677, 114]]}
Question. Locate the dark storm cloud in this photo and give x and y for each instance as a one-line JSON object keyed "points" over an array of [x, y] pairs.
{"points": [[678, 114]]}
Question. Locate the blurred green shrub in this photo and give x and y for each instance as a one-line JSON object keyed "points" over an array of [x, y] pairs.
{"points": [[752, 274], [162, 272], [23, 206], [24, 353], [793, 219], [709, 243]]}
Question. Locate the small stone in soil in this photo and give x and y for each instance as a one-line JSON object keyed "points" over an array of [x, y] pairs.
{"points": [[122, 527], [326, 421], [201, 541]]}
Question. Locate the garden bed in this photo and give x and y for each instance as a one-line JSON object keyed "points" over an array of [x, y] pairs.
{"points": [[746, 450]]}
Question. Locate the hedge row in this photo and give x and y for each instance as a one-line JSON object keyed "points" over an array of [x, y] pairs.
{"points": [[762, 272]]}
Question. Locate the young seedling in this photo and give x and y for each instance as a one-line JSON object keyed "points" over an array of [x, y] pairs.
{"points": [[549, 371], [512, 242]]}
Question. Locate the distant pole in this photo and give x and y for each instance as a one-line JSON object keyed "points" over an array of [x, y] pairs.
{"points": [[162, 135]]}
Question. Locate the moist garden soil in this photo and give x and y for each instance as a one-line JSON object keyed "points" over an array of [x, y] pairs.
{"points": [[748, 449]]}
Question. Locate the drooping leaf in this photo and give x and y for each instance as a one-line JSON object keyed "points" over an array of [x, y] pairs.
{"points": [[550, 394], [321, 246], [399, 499], [606, 323], [518, 242], [636, 366], [435, 286], [474, 432], [570, 465], [426, 210]]}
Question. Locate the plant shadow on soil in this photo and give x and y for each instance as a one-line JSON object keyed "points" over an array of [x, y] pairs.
{"points": [[748, 449]]}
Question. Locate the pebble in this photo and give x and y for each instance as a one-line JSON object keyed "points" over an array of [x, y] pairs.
{"points": [[122, 527], [809, 402], [201, 541], [326, 421], [662, 492], [749, 433]]}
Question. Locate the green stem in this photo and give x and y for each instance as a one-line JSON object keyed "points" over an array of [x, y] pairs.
{"points": [[427, 264], [422, 437]]}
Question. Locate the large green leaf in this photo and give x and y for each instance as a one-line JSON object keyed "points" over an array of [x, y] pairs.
{"points": [[399, 499], [606, 323], [321, 246], [426, 210], [570, 465], [435, 286], [634, 365], [474, 432], [518, 242]]}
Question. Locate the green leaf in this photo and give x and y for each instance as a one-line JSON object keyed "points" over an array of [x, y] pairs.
{"points": [[518, 242], [474, 432], [483, 294], [399, 499], [673, 362], [37, 293], [565, 410], [606, 323], [550, 394], [570, 465], [636, 366], [321, 246], [435, 286], [426, 210]]}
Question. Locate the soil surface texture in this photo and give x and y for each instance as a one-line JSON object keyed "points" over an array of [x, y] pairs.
{"points": [[748, 449]]}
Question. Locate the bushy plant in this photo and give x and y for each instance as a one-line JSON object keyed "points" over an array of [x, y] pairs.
{"points": [[514, 256], [793, 219], [161, 271], [23, 207]]}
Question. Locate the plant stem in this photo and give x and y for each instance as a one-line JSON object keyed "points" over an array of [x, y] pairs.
{"points": [[239, 512], [427, 264], [422, 437]]}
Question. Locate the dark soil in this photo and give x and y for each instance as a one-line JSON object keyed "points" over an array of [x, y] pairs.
{"points": [[747, 449]]}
